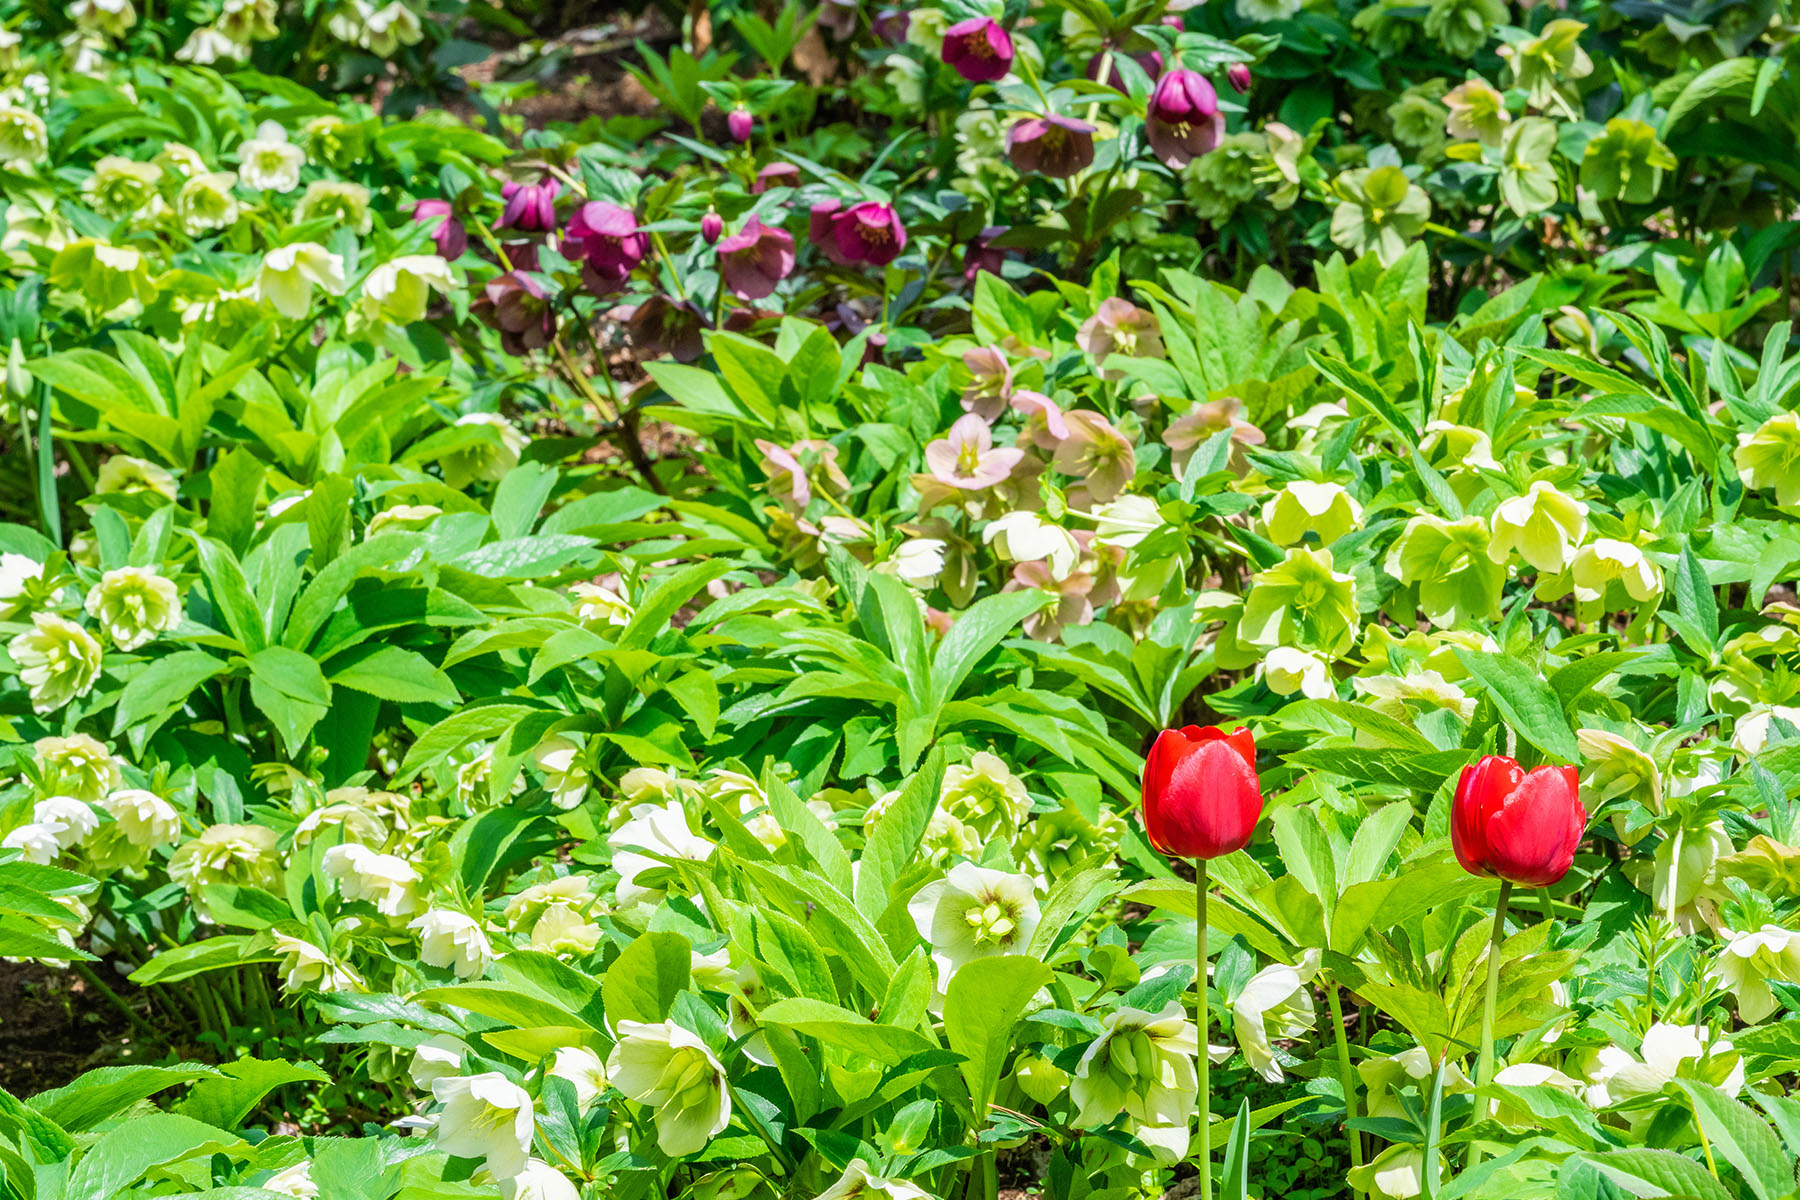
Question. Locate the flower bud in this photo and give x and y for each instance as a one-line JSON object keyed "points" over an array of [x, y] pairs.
{"points": [[711, 226], [742, 123], [1238, 76]]}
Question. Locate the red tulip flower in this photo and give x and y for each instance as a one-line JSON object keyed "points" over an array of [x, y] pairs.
{"points": [[1521, 826], [979, 49], [1201, 796]]}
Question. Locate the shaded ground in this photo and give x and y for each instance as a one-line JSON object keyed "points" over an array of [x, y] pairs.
{"points": [[53, 1027]]}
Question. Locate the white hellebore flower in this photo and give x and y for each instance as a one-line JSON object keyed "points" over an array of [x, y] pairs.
{"points": [[670, 1070], [974, 912], [1676, 874], [583, 1071], [1618, 1076], [859, 1183], [485, 1116], [483, 459], [295, 1181], [1126, 521], [269, 161], [1027, 537], [1288, 669], [37, 843], [597, 604], [1603, 560], [146, 819], [662, 831], [400, 288], [58, 661], [436, 1058], [1276, 1003], [1543, 526], [72, 821], [289, 273], [133, 605], [452, 939], [1304, 507], [918, 561], [384, 880], [1749, 960], [16, 571], [1142, 1065], [538, 1181], [304, 965], [566, 779]]}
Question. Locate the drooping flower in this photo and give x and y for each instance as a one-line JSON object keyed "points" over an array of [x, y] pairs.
{"points": [[120, 188], [1477, 112], [662, 830], [985, 795], [1120, 327], [78, 766], [1025, 537], [241, 855], [399, 290], [1288, 669], [566, 775], [979, 49], [387, 881], [110, 17], [205, 202], [983, 255], [529, 207], [289, 273], [125, 474], [582, 1070], [670, 1070], [966, 457], [1522, 826], [1608, 571], [1769, 458], [1276, 1003], [70, 821], [306, 967], [35, 843], [485, 1116], [1448, 560], [776, 174], [24, 138], [1238, 76], [1201, 796], [1675, 877], [20, 574], [1303, 507], [1184, 120], [1667, 1052], [515, 304], [538, 1181], [990, 382], [295, 1181], [1068, 599], [437, 1057], [606, 236], [454, 940], [1052, 145], [488, 458], [58, 661], [1096, 452], [1748, 961], [1543, 526], [134, 605], [755, 259], [447, 232], [269, 162], [1142, 1065], [1301, 601], [974, 912], [869, 232], [345, 203], [1541, 65]]}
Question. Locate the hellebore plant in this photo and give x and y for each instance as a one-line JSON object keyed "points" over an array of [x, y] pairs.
{"points": [[1521, 827], [1202, 801]]}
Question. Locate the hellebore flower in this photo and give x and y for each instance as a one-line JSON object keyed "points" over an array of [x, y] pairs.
{"points": [[58, 660], [711, 226], [756, 258], [1287, 670], [1665, 1054], [606, 236], [1238, 76], [485, 1116], [1543, 525], [1120, 327], [1301, 601], [134, 605], [971, 913], [742, 123], [859, 1182], [661, 325], [1521, 826], [1457, 580], [1749, 961], [448, 233], [1201, 795], [1053, 145], [966, 457], [1142, 1065], [289, 273], [990, 383], [1770, 458], [529, 206], [1098, 453], [455, 940], [1184, 120], [1024, 537], [979, 49], [776, 174], [982, 255], [514, 304], [670, 1070], [1276, 1003], [1304, 507], [869, 232]]}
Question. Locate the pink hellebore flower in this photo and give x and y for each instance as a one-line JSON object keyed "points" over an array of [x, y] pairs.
{"points": [[1096, 452], [1072, 604], [1187, 433], [529, 206], [711, 226], [1184, 120], [991, 387], [789, 480], [1120, 327], [1044, 424], [661, 325], [742, 123], [776, 174], [755, 259], [514, 304], [606, 236], [869, 232], [966, 458], [1238, 76], [1055, 146], [979, 49], [447, 233]]}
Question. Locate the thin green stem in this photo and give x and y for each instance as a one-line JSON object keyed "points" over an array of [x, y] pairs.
{"points": [[1202, 885], [1484, 1068], [1346, 1076], [117, 1001]]}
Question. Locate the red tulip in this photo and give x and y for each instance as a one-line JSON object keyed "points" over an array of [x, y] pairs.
{"points": [[1201, 795], [1522, 826]]}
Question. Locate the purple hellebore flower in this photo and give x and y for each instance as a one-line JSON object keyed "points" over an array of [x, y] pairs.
{"points": [[821, 229], [711, 226], [966, 457], [1184, 120], [776, 174], [979, 48], [529, 206], [1054, 145], [869, 232], [742, 123], [448, 233], [982, 255], [1238, 76], [661, 325], [1074, 604], [607, 237], [890, 25], [514, 304], [756, 258], [838, 18]]}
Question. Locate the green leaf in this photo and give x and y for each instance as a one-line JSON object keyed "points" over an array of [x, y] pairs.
{"points": [[895, 843], [1695, 601], [1526, 702], [391, 673], [122, 1156], [480, 723], [981, 1007], [227, 1098], [642, 983], [845, 1030], [1668, 1172], [978, 629], [230, 593], [98, 1095], [212, 954], [162, 687], [1236, 1183], [1743, 1138]]}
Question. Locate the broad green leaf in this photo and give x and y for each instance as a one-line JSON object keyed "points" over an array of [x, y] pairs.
{"points": [[642, 983], [1525, 701], [845, 1030], [981, 1007]]}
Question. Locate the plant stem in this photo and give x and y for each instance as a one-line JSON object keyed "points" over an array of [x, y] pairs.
{"points": [[1484, 1068], [1201, 886], [1346, 1077], [117, 1001]]}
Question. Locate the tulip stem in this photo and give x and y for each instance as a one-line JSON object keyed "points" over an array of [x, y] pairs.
{"points": [[1484, 1067], [1202, 885], [1346, 1076]]}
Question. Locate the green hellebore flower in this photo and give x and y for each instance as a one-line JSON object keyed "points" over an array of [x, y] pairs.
{"points": [[1626, 162], [1458, 580], [120, 187], [1541, 64], [133, 605], [669, 1069], [1381, 211], [1462, 26], [106, 277], [1770, 458], [1543, 526], [1477, 111], [57, 659], [1613, 767], [1302, 601], [1527, 178], [1142, 1065], [1304, 507]]}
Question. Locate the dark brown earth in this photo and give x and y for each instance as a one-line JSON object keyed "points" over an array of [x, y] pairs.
{"points": [[53, 1027]]}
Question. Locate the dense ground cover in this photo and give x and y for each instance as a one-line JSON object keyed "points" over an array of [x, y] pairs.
{"points": [[679, 655]]}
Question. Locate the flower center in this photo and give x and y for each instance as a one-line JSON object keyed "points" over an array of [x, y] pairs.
{"points": [[992, 923]]}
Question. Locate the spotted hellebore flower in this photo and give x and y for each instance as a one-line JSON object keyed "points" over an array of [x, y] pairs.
{"points": [[1142, 1065], [485, 1116], [1052, 145], [447, 231], [1518, 825], [979, 49], [670, 1070], [967, 458], [1184, 120], [755, 259], [530, 207], [974, 912]]}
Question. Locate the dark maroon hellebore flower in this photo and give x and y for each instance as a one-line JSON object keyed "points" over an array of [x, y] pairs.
{"points": [[1184, 120], [1056, 146], [447, 232]]}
